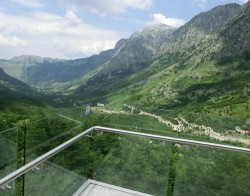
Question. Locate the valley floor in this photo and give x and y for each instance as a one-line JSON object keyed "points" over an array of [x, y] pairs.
{"points": [[183, 126]]}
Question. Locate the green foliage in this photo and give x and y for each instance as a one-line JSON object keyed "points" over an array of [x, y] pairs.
{"points": [[136, 164], [211, 172]]}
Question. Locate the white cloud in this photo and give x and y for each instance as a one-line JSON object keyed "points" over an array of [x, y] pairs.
{"points": [[159, 18], [200, 3], [11, 41], [111, 6], [244, 1], [51, 35], [47, 34], [73, 47], [29, 3]]}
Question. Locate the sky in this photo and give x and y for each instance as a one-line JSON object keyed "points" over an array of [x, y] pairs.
{"points": [[70, 29]]}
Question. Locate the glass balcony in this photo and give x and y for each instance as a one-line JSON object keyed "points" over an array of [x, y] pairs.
{"points": [[47, 133], [8, 156], [105, 161], [8, 151]]}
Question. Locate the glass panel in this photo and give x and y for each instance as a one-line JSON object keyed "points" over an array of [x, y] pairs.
{"points": [[206, 171], [8, 151], [77, 113], [47, 133], [148, 120], [61, 175], [133, 163], [144, 165], [9, 189]]}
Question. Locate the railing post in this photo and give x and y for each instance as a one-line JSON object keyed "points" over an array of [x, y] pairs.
{"points": [[90, 161], [172, 169], [24, 155]]}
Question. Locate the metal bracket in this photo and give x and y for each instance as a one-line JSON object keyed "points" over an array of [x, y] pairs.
{"points": [[90, 136], [7, 186], [99, 133], [37, 168]]}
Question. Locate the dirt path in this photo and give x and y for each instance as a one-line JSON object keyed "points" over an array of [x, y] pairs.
{"points": [[184, 124]]}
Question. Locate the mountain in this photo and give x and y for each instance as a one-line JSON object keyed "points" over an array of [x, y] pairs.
{"points": [[131, 55], [17, 66], [9, 84], [213, 76], [140, 48], [235, 36], [197, 32], [134, 53], [40, 72], [178, 49], [202, 66], [66, 71]]}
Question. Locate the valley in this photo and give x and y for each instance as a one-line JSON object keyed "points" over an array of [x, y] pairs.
{"points": [[193, 68], [185, 82], [188, 81]]}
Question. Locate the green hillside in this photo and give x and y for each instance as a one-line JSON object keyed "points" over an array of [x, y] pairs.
{"points": [[211, 76]]}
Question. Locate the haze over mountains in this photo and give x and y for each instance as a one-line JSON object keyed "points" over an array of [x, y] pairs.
{"points": [[9, 84], [204, 61]]}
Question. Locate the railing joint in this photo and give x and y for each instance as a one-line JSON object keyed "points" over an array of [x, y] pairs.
{"points": [[7, 186]]}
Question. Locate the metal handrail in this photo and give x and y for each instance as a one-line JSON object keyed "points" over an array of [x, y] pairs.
{"points": [[14, 175]]}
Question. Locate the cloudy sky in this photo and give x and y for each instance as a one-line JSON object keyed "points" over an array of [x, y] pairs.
{"points": [[72, 29]]}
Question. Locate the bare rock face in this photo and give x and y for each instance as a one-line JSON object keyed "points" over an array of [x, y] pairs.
{"points": [[200, 29], [235, 36], [140, 48]]}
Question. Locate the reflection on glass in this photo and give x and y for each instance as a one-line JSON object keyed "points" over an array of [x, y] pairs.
{"points": [[134, 163], [9, 189], [205, 171], [47, 133], [8, 158], [8, 151], [61, 175]]}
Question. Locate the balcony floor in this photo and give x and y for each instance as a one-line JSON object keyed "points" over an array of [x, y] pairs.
{"points": [[95, 188]]}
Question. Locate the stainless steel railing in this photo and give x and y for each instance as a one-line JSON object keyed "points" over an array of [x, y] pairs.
{"points": [[14, 175]]}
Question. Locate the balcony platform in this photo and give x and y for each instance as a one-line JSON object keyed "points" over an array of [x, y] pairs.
{"points": [[95, 188]]}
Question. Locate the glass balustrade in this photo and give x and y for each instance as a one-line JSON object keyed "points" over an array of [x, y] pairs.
{"points": [[60, 175], [8, 151], [130, 162], [47, 133], [8, 157], [208, 171], [133, 163], [169, 168]]}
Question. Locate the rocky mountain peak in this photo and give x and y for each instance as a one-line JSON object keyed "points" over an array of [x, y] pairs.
{"points": [[153, 30], [140, 47], [212, 20], [120, 43], [200, 28]]}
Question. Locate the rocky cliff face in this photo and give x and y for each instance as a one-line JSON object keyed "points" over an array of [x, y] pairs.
{"points": [[235, 36], [200, 29], [137, 51], [133, 54]]}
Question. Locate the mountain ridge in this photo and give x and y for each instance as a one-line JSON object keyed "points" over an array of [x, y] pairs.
{"points": [[190, 67], [10, 85], [169, 56]]}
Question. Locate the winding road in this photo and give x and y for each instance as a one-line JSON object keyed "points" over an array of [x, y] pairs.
{"points": [[184, 124]]}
